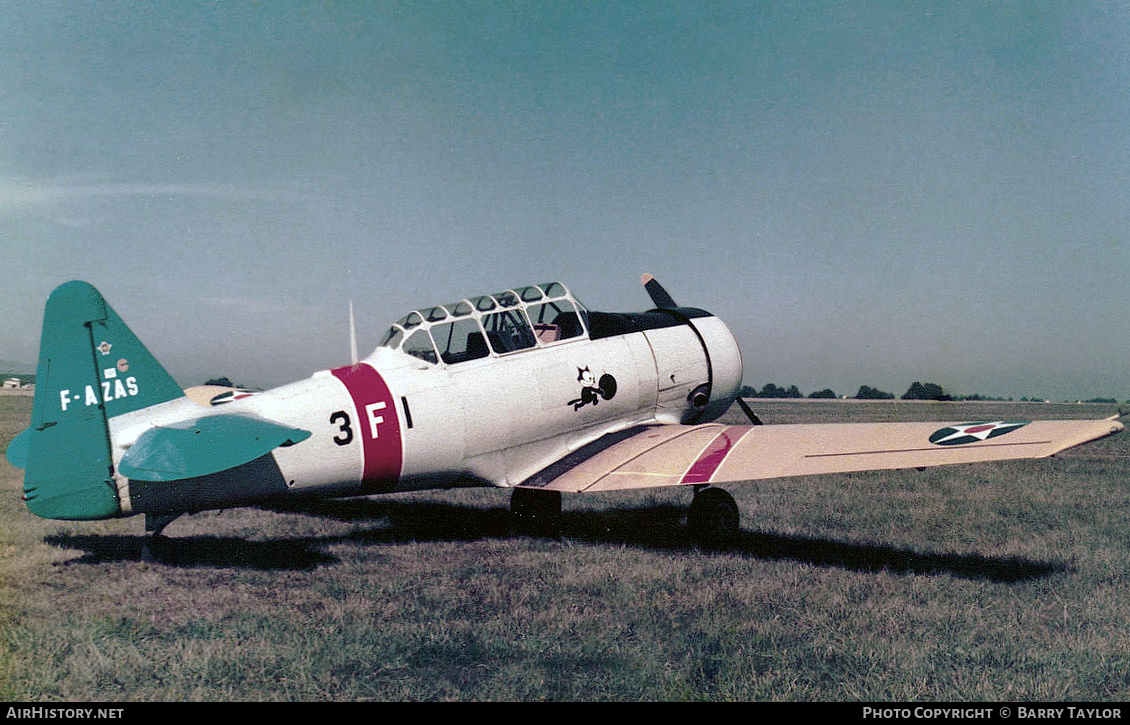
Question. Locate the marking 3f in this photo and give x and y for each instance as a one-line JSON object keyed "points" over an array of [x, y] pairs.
{"points": [[377, 426]]}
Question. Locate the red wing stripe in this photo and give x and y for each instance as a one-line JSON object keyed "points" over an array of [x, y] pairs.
{"points": [[711, 458]]}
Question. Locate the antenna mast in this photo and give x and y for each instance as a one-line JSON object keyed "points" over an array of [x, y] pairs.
{"points": [[353, 359]]}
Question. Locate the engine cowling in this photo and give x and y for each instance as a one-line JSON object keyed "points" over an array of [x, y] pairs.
{"points": [[698, 366], [724, 361]]}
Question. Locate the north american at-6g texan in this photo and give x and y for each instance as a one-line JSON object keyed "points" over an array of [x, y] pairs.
{"points": [[525, 389]]}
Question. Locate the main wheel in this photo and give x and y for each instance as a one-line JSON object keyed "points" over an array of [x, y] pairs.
{"points": [[537, 513], [713, 518]]}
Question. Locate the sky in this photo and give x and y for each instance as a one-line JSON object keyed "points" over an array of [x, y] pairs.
{"points": [[868, 193]]}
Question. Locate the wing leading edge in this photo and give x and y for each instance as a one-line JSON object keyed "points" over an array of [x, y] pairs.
{"points": [[673, 455]]}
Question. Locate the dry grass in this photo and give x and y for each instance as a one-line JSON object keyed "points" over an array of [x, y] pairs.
{"points": [[984, 582]]}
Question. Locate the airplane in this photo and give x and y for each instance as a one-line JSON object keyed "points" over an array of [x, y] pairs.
{"points": [[526, 389]]}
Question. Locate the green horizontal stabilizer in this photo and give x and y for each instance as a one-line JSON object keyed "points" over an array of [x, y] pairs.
{"points": [[203, 446]]}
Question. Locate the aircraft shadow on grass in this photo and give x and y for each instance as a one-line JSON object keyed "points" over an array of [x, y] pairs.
{"points": [[655, 527], [295, 554]]}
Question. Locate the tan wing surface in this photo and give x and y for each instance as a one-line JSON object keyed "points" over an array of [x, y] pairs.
{"points": [[672, 455]]}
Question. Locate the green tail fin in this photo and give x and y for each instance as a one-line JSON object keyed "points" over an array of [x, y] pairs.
{"points": [[91, 368]]}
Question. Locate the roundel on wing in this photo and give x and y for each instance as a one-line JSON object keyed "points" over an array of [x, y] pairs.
{"points": [[957, 435]]}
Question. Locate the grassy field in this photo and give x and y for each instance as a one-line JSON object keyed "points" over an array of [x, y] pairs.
{"points": [[1002, 582]]}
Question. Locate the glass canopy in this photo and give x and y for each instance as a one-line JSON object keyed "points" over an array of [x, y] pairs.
{"points": [[495, 324]]}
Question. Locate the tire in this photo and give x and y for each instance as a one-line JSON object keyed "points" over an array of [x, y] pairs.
{"points": [[536, 513], [713, 519]]}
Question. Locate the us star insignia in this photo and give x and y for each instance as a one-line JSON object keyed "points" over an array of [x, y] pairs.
{"points": [[956, 435]]}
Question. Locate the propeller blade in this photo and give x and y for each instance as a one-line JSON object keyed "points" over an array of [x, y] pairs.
{"points": [[749, 412], [659, 295]]}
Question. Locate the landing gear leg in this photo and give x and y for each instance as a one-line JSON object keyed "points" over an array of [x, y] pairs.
{"points": [[536, 513], [713, 518], [155, 524]]}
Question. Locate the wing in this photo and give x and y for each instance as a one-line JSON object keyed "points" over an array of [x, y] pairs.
{"points": [[673, 455]]}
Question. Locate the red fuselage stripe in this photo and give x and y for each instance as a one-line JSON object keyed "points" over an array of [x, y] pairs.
{"points": [[376, 424], [711, 458]]}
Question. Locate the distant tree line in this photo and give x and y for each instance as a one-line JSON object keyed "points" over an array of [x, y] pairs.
{"points": [[917, 391], [773, 391], [929, 391]]}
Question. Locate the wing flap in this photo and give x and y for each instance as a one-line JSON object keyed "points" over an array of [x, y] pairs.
{"points": [[713, 453], [203, 446]]}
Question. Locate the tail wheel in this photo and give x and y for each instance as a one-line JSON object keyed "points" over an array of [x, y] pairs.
{"points": [[535, 512], [713, 518]]}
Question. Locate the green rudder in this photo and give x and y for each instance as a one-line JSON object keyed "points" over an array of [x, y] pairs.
{"points": [[91, 368]]}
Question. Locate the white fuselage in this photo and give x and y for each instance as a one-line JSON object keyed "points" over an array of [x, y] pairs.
{"points": [[394, 422]]}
